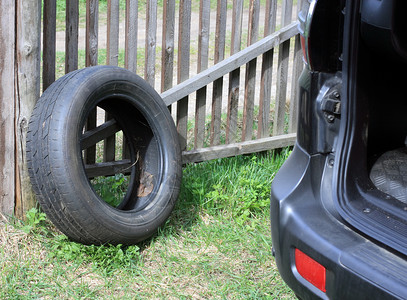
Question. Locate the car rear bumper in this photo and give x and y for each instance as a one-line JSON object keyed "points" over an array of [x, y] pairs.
{"points": [[303, 217]]}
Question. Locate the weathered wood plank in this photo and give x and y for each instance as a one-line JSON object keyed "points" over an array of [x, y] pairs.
{"points": [[298, 66], [108, 168], [250, 80], [92, 19], [7, 101], [71, 35], [234, 76], [95, 135], [241, 148], [48, 45], [109, 146], [229, 64], [130, 59], [266, 73], [28, 56], [203, 51], [112, 58], [126, 149], [130, 49], [183, 67], [184, 40], [220, 42], [203, 36], [90, 152], [282, 73], [112, 51], [151, 43], [233, 105], [167, 54]]}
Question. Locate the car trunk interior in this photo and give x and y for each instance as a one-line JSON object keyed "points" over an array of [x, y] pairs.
{"points": [[374, 145], [382, 83]]}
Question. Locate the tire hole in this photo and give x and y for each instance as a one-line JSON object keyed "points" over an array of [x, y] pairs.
{"points": [[105, 164], [111, 189]]}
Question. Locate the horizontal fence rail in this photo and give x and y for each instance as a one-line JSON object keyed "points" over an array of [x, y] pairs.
{"points": [[227, 70], [228, 65]]}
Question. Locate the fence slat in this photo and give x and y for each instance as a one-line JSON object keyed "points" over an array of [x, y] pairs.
{"points": [[130, 52], [27, 57], [71, 35], [95, 135], [131, 27], [48, 46], [112, 52], [92, 19], [234, 76], [220, 40], [109, 146], [112, 58], [266, 72], [7, 112], [241, 148], [203, 49], [229, 64], [250, 80], [108, 168], [282, 73], [151, 43], [298, 65], [167, 54], [90, 152], [183, 67]]}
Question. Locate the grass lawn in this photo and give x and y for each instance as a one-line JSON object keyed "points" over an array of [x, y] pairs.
{"points": [[216, 244]]}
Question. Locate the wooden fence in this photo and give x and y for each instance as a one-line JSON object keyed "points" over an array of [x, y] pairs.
{"points": [[222, 101], [227, 70]]}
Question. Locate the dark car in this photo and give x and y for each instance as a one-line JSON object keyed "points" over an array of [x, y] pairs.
{"points": [[339, 203]]}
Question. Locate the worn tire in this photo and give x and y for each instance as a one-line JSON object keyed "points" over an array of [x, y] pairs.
{"points": [[57, 169]]}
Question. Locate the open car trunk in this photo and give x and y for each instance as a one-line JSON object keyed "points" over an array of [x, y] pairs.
{"points": [[372, 154]]}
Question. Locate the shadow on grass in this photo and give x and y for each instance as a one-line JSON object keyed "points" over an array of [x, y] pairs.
{"points": [[236, 187]]}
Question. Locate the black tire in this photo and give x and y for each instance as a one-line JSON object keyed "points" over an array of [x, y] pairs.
{"points": [[55, 147]]}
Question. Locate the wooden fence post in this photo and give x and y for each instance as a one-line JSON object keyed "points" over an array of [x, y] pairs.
{"points": [[27, 91], [219, 55], [7, 139], [234, 76], [167, 56], [71, 35], [266, 73], [151, 42], [282, 72], [49, 43], [130, 61], [184, 39]]}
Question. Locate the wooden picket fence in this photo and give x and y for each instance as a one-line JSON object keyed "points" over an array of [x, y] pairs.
{"points": [[227, 70], [230, 91]]}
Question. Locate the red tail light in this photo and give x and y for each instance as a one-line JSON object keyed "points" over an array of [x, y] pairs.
{"points": [[304, 49], [310, 270], [305, 19], [321, 29]]}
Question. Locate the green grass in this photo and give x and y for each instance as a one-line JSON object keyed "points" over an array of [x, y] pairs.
{"points": [[216, 244]]}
